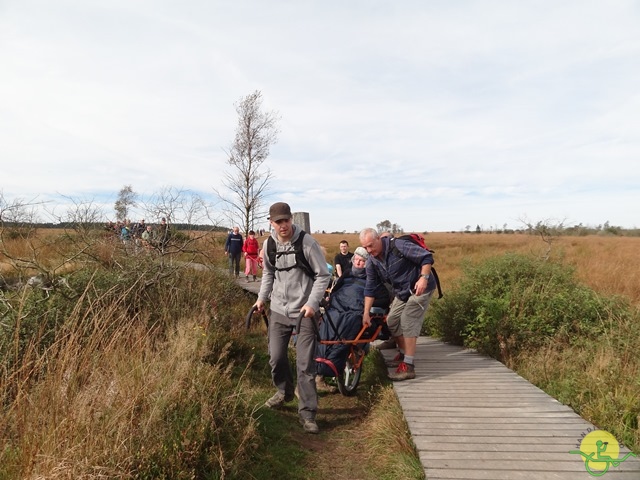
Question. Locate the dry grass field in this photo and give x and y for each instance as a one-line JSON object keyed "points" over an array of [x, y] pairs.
{"points": [[610, 265], [116, 370]]}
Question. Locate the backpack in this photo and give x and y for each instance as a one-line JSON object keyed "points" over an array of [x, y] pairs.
{"points": [[417, 239], [301, 261]]}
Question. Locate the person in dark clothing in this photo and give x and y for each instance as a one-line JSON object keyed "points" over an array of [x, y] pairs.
{"points": [[342, 260], [382, 299], [343, 318], [233, 249]]}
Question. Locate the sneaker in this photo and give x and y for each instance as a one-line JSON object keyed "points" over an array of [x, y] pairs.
{"points": [[278, 400], [309, 425], [386, 344], [254, 278], [323, 386], [405, 371], [399, 358], [247, 278]]}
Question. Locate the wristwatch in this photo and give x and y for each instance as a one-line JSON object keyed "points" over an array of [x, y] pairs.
{"points": [[426, 277]]}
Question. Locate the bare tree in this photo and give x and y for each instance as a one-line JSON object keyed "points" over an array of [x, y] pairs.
{"points": [[18, 211], [126, 200], [548, 230], [18, 224], [384, 226], [247, 181], [170, 206]]}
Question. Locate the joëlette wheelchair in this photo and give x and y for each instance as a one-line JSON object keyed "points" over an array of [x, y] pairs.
{"points": [[347, 378]]}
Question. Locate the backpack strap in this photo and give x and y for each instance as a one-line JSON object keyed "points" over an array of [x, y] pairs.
{"points": [[301, 261], [397, 251]]}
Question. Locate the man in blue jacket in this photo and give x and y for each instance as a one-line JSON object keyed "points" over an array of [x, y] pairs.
{"points": [[292, 290], [233, 248], [407, 267]]}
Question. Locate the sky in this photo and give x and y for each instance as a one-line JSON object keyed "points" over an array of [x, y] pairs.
{"points": [[436, 115]]}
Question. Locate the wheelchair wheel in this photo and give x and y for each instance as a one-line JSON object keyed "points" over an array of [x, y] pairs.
{"points": [[350, 377]]}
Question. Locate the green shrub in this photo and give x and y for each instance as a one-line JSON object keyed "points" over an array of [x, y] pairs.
{"points": [[533, 315], [515, 302]]}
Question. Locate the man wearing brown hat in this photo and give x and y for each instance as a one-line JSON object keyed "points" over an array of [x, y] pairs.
{"points": [[293, 288]]}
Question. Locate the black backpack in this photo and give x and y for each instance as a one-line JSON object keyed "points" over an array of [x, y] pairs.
{"points": [[301, 261]]}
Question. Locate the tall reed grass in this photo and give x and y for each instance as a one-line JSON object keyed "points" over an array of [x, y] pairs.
{"points": [[133, 373]]}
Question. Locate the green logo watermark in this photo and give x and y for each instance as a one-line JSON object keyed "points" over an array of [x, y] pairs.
{"points": [[600, 451]]}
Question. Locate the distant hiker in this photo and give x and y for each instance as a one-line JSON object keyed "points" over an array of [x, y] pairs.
{"points": [[342, 260], [251, 249], [233, 249]]}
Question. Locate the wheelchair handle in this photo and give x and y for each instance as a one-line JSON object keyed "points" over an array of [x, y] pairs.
{"points": [[253, 310], [313, 322]]}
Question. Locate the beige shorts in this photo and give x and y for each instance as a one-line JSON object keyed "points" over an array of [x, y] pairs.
{"points": [[406, 318]]}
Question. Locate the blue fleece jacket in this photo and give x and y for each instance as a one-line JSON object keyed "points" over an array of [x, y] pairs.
{"points": [[402, 272]]}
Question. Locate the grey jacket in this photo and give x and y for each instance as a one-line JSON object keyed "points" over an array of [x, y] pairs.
{"points": [[292, 289]]}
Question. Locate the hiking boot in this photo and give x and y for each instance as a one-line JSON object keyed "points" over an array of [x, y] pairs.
{"points": [[309, 425], [278, 400], [405, 371], [386, 344], [395, 362], [323, 386]]}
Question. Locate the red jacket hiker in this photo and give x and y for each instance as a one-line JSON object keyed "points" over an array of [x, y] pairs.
{"points": [[251, 247]]}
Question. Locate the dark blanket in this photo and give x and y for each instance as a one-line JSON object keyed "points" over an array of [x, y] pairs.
{"points": [[342, 321]]}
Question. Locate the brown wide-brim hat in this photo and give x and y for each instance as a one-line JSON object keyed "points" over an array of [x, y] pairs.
{"points": [[279, 211]]}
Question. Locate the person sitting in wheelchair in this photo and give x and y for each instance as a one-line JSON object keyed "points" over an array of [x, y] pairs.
{"points": [[343, 319]]}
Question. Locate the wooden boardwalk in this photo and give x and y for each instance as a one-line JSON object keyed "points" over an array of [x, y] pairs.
{"points": [[471, 417]]}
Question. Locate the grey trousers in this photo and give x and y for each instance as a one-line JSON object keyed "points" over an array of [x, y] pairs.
{"points": [[234, 263], [280, 330]]}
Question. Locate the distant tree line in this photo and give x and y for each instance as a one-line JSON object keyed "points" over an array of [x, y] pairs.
{"points": [[102, 225]]}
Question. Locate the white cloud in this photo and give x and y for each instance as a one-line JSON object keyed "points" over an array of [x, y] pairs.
{"points": [[434, 115]]}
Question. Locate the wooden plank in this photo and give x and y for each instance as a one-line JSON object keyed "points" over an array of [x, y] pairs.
{"points": [[433, 444], [471, 474], [567, 443], [471, 417], [484, 418]]}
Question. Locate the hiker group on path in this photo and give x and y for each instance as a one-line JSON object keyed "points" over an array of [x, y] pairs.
{"points": [[295, 280]]}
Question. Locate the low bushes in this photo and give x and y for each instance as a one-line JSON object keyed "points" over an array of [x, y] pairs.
{"points": [[535, 317]]}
